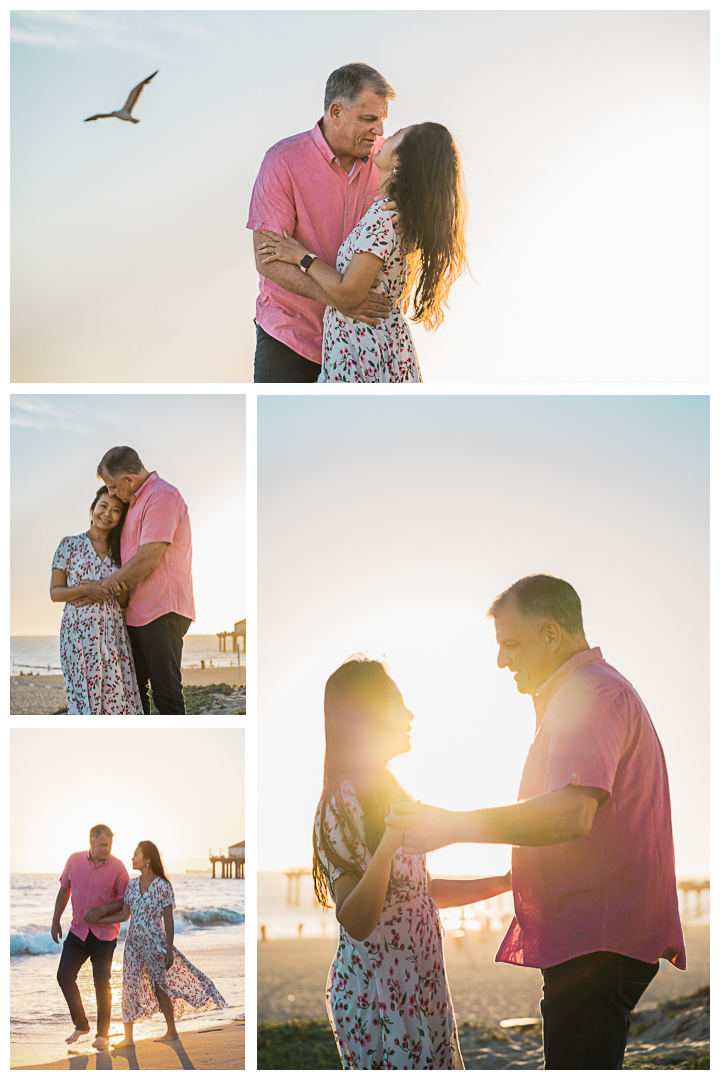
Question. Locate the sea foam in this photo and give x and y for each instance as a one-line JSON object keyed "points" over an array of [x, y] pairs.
{"points": [[32, 939]]}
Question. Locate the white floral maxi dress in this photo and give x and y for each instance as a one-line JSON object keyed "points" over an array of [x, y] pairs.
{"points": [[95, 653], [144, 961], [387, 997], [355, 351]]}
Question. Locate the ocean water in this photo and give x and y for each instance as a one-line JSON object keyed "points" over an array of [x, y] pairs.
{"points": [[289, 911], [209, 930], [38, 655]]}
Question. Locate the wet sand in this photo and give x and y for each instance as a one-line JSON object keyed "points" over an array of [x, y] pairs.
{"points": [[43, 695], [482, 991], [212, 1048]]}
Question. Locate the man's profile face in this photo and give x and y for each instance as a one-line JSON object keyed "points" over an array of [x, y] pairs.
{"points": [[101, 846], [523, 647], [356, 128], [119, 486]]}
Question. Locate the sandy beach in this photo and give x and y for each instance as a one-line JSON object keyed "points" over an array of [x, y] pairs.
{"points": [[211, 1048], [43, 695], [292, 974]]}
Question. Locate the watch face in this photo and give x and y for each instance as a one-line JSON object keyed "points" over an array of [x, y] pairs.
{"points": [[306, 260]]}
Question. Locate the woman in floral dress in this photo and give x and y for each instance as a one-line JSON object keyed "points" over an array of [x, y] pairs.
{"points": [[156, 975], [387, 993], [419, 169], [95, 653]]}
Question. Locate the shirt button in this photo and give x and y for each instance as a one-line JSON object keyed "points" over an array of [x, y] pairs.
{"points": [[575, 775], [347, 211]]}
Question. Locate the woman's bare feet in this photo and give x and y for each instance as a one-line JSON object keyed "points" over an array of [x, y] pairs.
{"points": [[77, 1034], [124, 1045], [169, 1036]]}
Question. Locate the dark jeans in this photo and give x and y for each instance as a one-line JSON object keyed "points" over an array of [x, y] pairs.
{"points": [[157, 651], [75, 953], [586, 1008], [275, 362]]}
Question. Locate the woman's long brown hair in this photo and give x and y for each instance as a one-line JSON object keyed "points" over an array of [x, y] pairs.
{"points": [[427, 187], [352, 696]]}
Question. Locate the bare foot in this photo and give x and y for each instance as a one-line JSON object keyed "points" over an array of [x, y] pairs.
{"points": [[100, 1043], [124, 1045], [77, 1034], [168, 1037]]}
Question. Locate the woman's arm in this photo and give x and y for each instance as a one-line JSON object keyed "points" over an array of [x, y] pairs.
{"points": [[169, 934], [61, 593], [447, 892], [346, 289], [118, 916], [359, 904]]}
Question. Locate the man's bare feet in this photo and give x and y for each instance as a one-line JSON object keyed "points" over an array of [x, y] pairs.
{"points": [[168, 1037], [124, 1045], [100, 1043], [77, 1034]]}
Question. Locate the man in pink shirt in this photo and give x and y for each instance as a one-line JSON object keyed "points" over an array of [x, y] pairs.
{"points": [[593, 866], [156, 551], [317, 186], [96, 882]]}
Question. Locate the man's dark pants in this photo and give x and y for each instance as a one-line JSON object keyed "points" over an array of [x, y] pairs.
{"points": [[586, 1009], [75, 953], [157, 651], [275, 362]]}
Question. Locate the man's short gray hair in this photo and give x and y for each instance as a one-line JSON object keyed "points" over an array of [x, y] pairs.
{"points": [[100, 830], [347, 83], [540, 596], [120, 461]]}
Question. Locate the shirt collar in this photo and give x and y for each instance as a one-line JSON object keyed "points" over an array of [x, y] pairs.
{"points": [[90, 859], [134, 498], [328, 153], [557, 680]]}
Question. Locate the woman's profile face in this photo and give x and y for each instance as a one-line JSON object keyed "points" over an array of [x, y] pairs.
{"points": [[393, 723], [107, 513], [385, 155]]}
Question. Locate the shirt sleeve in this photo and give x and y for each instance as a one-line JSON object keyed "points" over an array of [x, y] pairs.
{"points": [[376, 234], [128, 891], [121, 882], [162, 514], [65, 876], [342, 840], [167, 896], [61, 558], [272, 204], [586, 742]]}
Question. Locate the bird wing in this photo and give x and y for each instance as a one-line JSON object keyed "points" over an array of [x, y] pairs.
{"points": [[135, 93], [98, 116]]}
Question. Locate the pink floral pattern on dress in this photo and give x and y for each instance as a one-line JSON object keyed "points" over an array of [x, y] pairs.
{"points": [[355, 351], [144, 960], [95, 653], [388, 999]]}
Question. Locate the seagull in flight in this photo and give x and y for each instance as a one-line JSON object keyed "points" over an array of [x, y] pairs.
{"points": [[126, 112]]}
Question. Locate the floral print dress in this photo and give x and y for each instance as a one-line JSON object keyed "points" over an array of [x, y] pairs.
{"points": [[144, 960], [95, 653], [388, 999], [355, 351]]}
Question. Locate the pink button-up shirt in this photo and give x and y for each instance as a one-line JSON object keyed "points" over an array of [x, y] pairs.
{"points": [[157, 513], [302, 187], [93, 886], [613, 890]]}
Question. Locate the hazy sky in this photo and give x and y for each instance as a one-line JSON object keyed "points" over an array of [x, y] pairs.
{"points": [[64, 782], [584, 142], [194, 441], [408, 517]]}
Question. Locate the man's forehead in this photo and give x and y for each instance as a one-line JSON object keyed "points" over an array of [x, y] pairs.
{"points": [[371, 104]]}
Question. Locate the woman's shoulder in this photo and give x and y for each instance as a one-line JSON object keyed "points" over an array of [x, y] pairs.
{"points": [[379, 215], [338, 804], [73, 541]]}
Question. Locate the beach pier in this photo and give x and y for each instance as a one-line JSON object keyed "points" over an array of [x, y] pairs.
{"points": [[293, 879], [237, 634], [696, 886], [232, 864]]}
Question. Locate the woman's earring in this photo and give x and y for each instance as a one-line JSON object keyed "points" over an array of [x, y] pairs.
{"points": [[394, 168]]}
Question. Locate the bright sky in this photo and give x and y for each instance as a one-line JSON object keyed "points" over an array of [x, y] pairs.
{"points": [[194, 441], [408, 516], [584, 140], [171, 787]]}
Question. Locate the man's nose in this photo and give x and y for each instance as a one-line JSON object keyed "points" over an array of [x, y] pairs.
{"points": [[502, 660], [377, 129]]}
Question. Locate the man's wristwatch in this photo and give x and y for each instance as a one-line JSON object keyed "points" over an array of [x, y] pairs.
{"points": [[305, 262]]}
